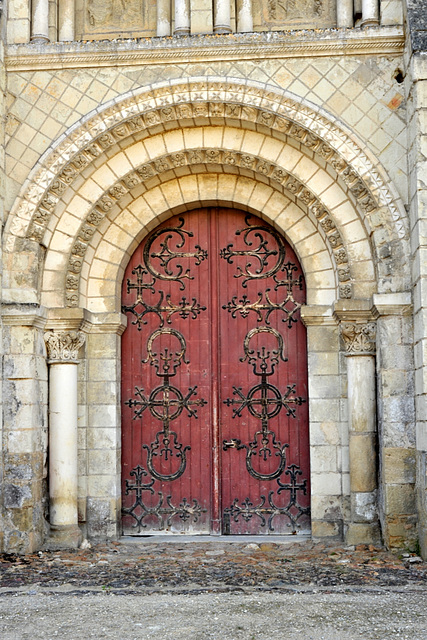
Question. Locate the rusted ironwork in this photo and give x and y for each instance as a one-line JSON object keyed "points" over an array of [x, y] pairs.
{"points": [[264, 401], [166, 403], [164, 307], [166, 256], [164, 514]]}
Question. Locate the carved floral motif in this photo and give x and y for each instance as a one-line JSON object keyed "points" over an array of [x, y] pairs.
{"points": [[359, 339], [63, 346]]}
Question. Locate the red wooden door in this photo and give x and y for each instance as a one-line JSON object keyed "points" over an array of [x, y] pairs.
{"points": [[214, 382]]}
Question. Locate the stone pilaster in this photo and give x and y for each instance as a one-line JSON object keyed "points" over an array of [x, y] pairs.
{"points": [[62, 350], [40, 21], [359, 347], [370, 13], [164, 17], [66, 20], [345, 13], [182, 17], [328, 433], [222, 22], [245, 22]]}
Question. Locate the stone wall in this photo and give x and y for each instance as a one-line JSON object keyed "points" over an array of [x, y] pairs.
{"points": [[55, 91], [416, 82], [2, 195]]}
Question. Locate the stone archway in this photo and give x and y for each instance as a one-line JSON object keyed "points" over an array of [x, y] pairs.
{"points": [[181, 146]]}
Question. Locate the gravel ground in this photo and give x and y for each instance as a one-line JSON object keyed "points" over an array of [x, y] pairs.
{"points": [[214, 590], [364, 615]]}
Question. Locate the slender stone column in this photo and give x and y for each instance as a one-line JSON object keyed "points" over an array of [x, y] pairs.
{"points": [[222, 20], [66, 13], [62, 349], [345, 13], [370, 13], [163, 17], [245, 22], [182, 17], [40, 21], [359, 343]]}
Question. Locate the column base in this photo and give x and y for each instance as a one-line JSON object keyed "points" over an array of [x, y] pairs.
{"points": [[39, 39], [63, 537], [363, 533], [182, 32], [222, 29], [369, 22]]}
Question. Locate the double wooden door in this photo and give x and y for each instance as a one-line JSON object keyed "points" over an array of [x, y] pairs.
{"points": [[214, 380]]}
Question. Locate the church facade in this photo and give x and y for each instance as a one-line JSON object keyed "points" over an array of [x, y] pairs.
{"points": [[213, 274]]}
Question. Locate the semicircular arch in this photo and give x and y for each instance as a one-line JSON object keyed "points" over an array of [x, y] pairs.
{"points": [[267, 114]]}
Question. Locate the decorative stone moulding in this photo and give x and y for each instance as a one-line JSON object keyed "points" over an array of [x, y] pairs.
{"points": [[194, 157], [208, 47], [196, 103], [359, 339], [63, 346]]}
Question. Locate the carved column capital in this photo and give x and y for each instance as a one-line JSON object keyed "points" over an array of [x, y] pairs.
{"points": [[359, 339], [63, 346]]}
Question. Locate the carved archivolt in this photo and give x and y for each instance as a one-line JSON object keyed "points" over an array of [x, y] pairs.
{"points": [[187, 104], [359, 339], [191, 103], [63, 346], [192, 157]]}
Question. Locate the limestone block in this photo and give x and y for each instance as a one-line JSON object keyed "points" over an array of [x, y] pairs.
{"points": [[323, 339], [324, 411], [326, 484], [325, 529], [101, 345], [103, 486], [399, 409], [362, 463], [101, 520], [398, 465], [327, 508], [323, 363], [102, 415], [102, 461], [324, 433], [399, 499], [102, 369], [359, 533], [324, 386], [103, 438], [323, 459], [105, 392], [364, 507]]}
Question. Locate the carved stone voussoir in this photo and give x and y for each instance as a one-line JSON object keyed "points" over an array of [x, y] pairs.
{"points": [[63, 346], [359, 339]]}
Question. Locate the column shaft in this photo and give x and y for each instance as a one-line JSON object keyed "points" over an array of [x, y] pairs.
{"points": [[40, 21], [63, 444], [245, 22], [362, 449], [66, 13], [222, 19], [182, 17], [370, 13], [163, 17], [345, 13]]}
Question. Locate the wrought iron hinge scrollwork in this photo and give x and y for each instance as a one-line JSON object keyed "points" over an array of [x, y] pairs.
{"points": [[166, 403], [264, 401], [167, 256], [139, 511]]}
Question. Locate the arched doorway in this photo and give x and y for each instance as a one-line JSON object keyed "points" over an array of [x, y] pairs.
{"points": [[214, 380]]}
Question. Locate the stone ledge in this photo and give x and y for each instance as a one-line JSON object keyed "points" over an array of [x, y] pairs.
{"points": [[384, 41]]}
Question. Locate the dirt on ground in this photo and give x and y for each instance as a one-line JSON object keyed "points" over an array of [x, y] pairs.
{"points": [[216, 590]]}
